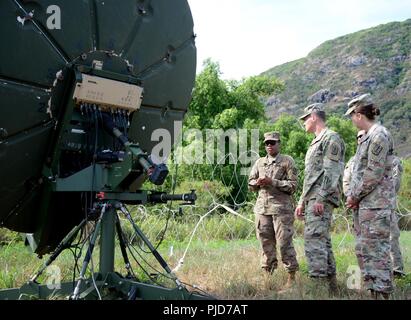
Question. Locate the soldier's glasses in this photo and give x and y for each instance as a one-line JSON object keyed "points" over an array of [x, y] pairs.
{"points": [[270, 143]]}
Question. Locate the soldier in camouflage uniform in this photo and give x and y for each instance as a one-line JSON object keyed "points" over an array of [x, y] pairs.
{"points": [[372, 192], [324, 165], [398, 265], [349, 167], [275, 178], [346, 188], [396, 256]]}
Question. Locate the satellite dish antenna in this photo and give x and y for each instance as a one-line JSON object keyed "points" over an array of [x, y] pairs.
{"points": [[83, 85]]}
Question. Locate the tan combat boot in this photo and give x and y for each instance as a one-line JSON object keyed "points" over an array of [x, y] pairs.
{"points": [[332, 284], [375, 295], [269, 270], [386, 296], [290, 283], [290, 280]]}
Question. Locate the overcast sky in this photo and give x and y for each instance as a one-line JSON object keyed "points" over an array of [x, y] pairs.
{"points": [[248, 37]]}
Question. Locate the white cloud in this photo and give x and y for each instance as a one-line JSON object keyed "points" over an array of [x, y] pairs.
{"points": [[249, 37]]}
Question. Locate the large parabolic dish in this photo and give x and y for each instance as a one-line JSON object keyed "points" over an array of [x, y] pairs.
{"points": [[49, 47]]}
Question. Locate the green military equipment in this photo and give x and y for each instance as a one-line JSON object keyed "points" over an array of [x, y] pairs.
{"points": [[83, 86]]}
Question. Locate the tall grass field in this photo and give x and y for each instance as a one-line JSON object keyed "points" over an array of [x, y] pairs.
{"points": [[218, 254]]}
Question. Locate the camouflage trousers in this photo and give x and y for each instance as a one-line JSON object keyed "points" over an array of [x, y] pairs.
{"points": [[395, 252], [372, 228], [317, 241], [272, 230], [396, 255]]}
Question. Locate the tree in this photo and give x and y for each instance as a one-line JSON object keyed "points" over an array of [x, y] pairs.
{"points": [[223, 104], [246, 96], [210, 97]]}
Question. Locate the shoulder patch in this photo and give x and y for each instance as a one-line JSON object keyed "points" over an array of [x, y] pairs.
{"points": [[334, 151], [376, 149]]}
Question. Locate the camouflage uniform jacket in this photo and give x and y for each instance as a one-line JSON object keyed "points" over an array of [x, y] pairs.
{"points": [[348, 176], [372, 179], [324, 166], [278, 197]]}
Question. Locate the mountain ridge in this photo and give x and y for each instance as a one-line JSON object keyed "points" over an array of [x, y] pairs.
{"points": [[375, 60]]}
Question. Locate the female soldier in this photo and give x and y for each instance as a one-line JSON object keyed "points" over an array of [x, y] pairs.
{"points": [[372, 193]]}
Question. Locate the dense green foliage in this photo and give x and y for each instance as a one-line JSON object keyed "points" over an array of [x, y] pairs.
{"points": [[227, 104]]}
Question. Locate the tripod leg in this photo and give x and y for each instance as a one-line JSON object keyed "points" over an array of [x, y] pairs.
{"points": [[123, 246], [62, 245], [159, 258], [88, 255], [107, 240]]}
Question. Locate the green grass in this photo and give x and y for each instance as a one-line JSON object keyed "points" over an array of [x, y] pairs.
{"points": [[230, 270], [226, 269]]}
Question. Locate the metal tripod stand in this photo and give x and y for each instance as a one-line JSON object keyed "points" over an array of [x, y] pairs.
{"points": [[106, 279]]}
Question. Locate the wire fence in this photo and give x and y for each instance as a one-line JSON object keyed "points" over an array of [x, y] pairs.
{"points": [[223, 217]]}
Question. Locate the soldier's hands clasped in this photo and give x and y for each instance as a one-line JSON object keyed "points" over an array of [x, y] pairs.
{"points": [[318, 209], [299, 212], [351, 203], [266, 181]]}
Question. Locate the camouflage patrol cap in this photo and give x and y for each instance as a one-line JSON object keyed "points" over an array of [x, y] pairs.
{"points": [[271, 136], [312, 107], [360, 101]]}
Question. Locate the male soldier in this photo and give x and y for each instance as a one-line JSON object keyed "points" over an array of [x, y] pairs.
{"points": [[398, 265], [324, 165], [346, 188], [275, 178], [349, 166]]}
